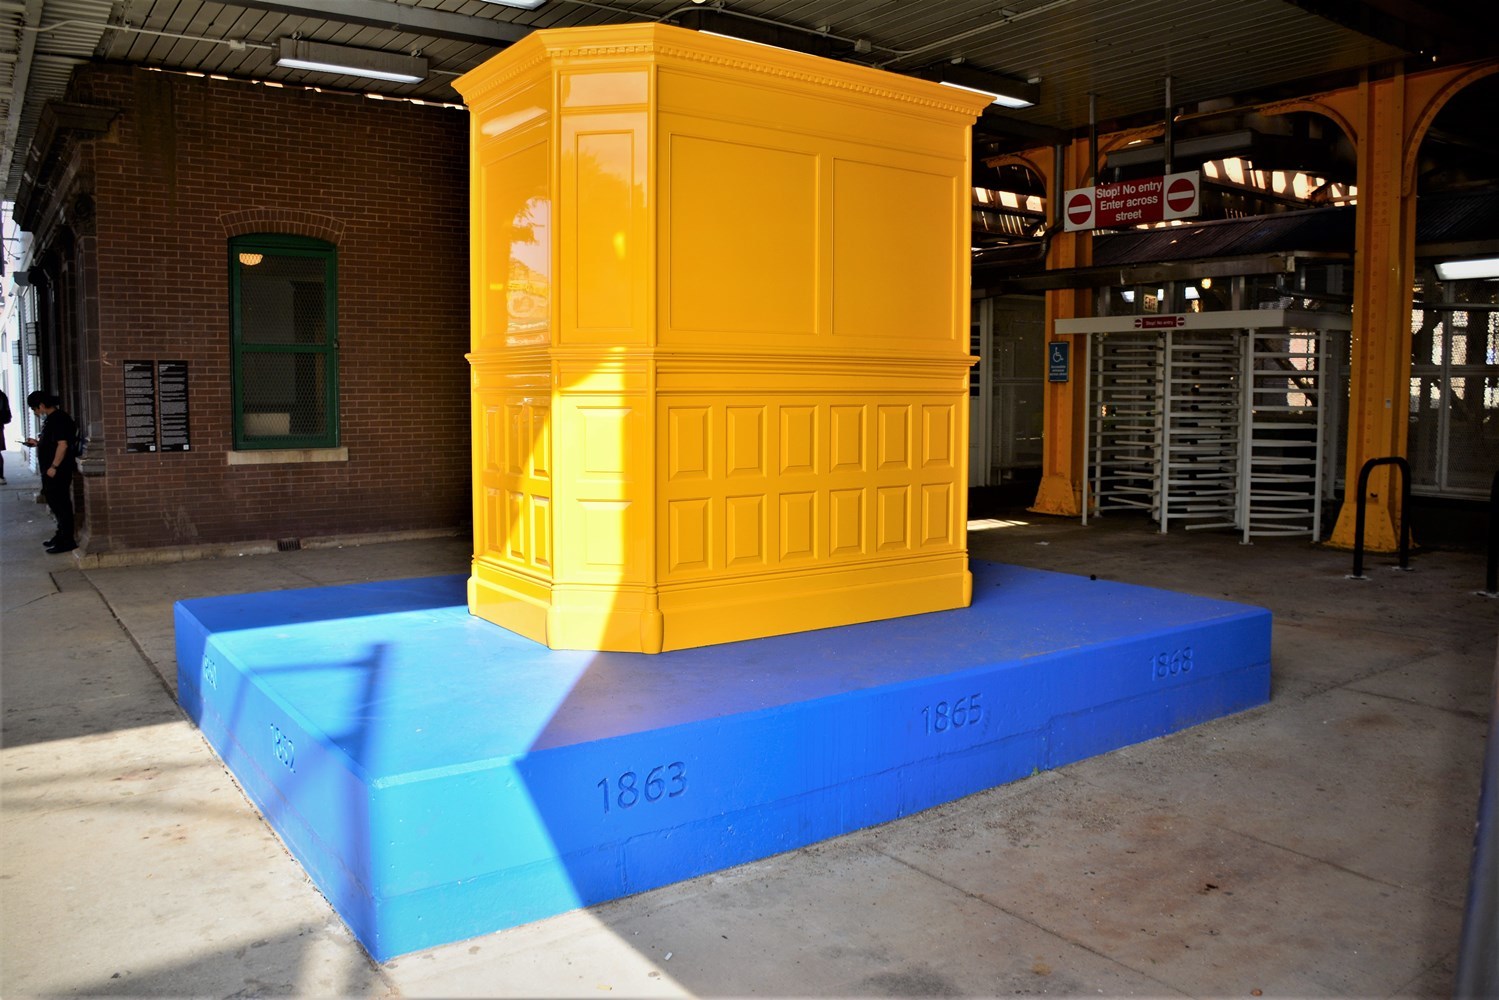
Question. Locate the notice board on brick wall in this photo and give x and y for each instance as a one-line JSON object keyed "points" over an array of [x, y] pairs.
{"points": [[156, 414]]}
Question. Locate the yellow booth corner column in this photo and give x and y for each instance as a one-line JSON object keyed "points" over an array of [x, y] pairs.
{"points": [[720, 340]]}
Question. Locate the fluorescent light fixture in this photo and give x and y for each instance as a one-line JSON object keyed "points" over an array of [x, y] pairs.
{"points": [[341, 60], [531, 4], [1003, 100], [1005, 91], [1459, 270], [1192, 293]]}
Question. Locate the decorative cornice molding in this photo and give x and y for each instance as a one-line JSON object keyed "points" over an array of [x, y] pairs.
{"points": [[920, 93], [655, 43]]}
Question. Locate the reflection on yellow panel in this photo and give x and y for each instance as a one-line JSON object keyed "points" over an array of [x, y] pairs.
{"points": [[720, 340]]}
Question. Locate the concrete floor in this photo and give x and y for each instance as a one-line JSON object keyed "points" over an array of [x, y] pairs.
{"points": [[1318, 846]]}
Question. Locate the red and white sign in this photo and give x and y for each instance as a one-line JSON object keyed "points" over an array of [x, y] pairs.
{"points": [[1168, 322], [1133, 203]]}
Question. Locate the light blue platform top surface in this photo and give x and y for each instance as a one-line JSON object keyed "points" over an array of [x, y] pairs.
{"points": [[448, 690]]}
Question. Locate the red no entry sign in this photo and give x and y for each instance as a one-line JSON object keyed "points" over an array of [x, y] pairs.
{"points": [[1080, 209], [1132, 203], [1182, 196]]}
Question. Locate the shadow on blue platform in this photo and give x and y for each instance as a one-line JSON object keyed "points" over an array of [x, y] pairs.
{"points": [[440, 777]]}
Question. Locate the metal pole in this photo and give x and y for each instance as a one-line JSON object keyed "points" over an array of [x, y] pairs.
{"points": [[1163, 507], [1359, 513], [1170, 114], [1058, 185], [1405, 511], [1358, 519], [1092, 139]]}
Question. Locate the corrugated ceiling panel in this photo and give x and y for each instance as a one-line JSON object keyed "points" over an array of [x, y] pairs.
{"points": [[1119, 51]]}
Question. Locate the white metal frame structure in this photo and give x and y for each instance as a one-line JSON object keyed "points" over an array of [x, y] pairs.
{"points": [[1210, 420]]}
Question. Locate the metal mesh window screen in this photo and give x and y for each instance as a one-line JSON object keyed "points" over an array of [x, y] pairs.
{"points": [[1453, 440], [285, 342], [283, 394], [282, 301]]}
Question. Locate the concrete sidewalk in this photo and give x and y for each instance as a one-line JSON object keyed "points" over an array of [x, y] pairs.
{"points": [[1316, 846]]}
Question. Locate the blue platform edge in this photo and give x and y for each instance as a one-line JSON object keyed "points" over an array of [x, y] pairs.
{"points": [[439, 777]]}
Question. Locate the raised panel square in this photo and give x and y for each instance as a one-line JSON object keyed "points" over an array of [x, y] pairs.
{"points": [[846, 522], [494, 522], [517, 439], [494, 438], [539, 444], [728, 270], [937, 436], [798, 525], [892, 526], [936, 514], [893, 272], [847, 438], [605, 530], [541, 532], [746, 531], [687, 443], [687, 534], [605, 441], [798, 440], [895, 437], [746, 440], [517, 527]]}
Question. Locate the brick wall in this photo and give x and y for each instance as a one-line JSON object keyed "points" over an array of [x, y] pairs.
{"points": [[191, 162]]}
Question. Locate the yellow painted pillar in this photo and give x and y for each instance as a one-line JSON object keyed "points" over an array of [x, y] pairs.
{"points": [[720, 340], [1388, 116], [1379, 372], [1064, 406]]}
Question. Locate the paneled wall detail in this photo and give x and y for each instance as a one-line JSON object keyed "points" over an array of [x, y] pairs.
{"points": [[834, 484]]}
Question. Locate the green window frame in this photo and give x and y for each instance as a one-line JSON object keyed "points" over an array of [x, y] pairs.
{"points": [[283, 293]]}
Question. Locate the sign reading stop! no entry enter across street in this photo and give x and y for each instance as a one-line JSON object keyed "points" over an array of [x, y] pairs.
{"points": [[1131, 203]]}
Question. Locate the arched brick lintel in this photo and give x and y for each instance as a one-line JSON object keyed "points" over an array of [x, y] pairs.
{"points": [[280, 220]]}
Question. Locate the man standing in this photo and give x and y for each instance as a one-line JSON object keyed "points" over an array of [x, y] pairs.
{"points": [[56, 460], [4, 419]]}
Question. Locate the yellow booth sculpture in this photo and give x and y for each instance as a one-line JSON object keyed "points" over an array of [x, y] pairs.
{"points": [[720, 340]]}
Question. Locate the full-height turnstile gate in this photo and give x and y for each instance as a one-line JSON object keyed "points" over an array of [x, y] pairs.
{"points": [[1211, 420]]}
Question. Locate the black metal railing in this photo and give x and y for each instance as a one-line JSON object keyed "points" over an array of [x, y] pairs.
{"points": [[1359, 512]]}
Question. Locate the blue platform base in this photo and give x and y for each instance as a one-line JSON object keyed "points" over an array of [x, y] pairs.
{"points": [[440, 777]]}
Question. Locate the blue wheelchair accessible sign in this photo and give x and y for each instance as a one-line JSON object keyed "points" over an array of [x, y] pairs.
{"points": [[1056, 360]]}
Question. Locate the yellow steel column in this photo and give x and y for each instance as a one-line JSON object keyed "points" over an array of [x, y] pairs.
{"points": [[1063, 403], [1379, 372], [1389, 116], [1064, 406]]}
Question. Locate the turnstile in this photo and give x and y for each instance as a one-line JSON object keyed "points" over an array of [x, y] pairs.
{"points": [[1210, 420]]}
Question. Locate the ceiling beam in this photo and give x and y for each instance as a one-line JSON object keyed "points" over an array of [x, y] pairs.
{"points": [[398, 17], [32, 19]]}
